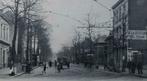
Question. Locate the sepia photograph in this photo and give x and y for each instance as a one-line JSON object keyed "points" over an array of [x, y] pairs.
{"points": [[73, 40]]}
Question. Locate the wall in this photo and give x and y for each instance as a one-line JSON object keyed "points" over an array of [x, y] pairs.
{"points": [[138, 21]]}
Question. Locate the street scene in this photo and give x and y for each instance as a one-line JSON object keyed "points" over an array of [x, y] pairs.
{"points": [[77, 40]]}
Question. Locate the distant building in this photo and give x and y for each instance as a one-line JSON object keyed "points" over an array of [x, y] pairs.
{"points": [[100, 50], [109, 50], [129, 15]]}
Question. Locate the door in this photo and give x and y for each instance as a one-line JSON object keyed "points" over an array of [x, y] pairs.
{"points": [[4, 52]]}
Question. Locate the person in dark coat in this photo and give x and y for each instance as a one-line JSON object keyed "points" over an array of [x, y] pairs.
{"points": [[55, 63], [140, 67], [133, 67], [44, 68], [59, 67], [50, 63], [129, 66]]}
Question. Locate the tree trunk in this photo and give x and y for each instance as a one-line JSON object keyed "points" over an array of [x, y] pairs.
{"points": [[15, 33]]}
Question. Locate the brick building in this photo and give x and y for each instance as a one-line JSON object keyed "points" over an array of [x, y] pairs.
{"points": [[128, 15], [109, 50]]}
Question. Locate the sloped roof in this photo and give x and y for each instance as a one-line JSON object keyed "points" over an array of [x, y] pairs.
{"points": [[101, 39], [7, 16], [117, 3]]}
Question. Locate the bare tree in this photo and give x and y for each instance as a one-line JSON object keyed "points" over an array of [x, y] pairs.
{"points": [[42, 29], [77, 45], [21, 18]]}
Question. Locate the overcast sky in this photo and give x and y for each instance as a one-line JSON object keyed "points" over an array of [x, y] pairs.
{"points": [[63, 27]]}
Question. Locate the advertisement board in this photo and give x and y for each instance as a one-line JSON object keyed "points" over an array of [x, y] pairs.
{"points": [[137, 35]]}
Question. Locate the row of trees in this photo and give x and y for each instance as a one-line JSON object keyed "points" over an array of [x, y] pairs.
{"points": [[83, 45], [30, 30]]}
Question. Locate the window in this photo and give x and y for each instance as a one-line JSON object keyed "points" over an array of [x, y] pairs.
{"points": [[117, 16], [1, 30], [1, 52], [124, 7], [7, 34], [114, 16], [4, 28], [127, 7], [120, 13]]}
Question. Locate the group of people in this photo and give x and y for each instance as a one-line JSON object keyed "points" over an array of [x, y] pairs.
{"points": [[60, 63], [50, 63], [132, 66], [57, 64]]}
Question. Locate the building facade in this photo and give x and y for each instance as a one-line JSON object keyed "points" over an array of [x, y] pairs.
{"points": [[4, 43], [100, 51], [109, 51], [128, 15]]}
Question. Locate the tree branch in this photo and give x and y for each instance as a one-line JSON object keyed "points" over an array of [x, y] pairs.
{"points": [[29, 6]]}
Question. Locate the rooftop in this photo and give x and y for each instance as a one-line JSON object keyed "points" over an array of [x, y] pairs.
{"points": [[117, 3]]}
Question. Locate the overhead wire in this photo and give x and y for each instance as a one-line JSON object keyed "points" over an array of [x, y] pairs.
{"points": [[67, 17], [102, 5]]}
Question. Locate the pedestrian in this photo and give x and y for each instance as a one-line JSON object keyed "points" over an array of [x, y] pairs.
{"points": [[85, 64], [12, 71], [129, 66], [50, 63], [105, 66], [123, 67], [55, 63], [140, 68], [68, 65], [59, 66], [97, 66], [44, 68], [133, 65]]}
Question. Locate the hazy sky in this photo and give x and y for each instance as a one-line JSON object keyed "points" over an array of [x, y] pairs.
{"points": [[63, 27]]}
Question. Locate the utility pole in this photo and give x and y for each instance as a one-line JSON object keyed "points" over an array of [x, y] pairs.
{"points": [[89, 28]]}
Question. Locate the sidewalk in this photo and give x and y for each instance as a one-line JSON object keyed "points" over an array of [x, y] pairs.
{"points": [[75, 70], [4, 73], [145, 71], [127, 72]]}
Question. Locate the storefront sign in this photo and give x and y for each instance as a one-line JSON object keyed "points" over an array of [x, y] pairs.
{"points": [[137, 35]]}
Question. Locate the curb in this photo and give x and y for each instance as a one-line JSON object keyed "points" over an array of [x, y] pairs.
{"points": [[125, 73], [19, 74], [141, 76]]}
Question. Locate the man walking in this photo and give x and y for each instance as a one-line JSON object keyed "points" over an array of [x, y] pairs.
{"points": [[140, 67], [129, 66], [133, 67], [55, 63], [44, 68], [59, 66], [50, 63]]}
